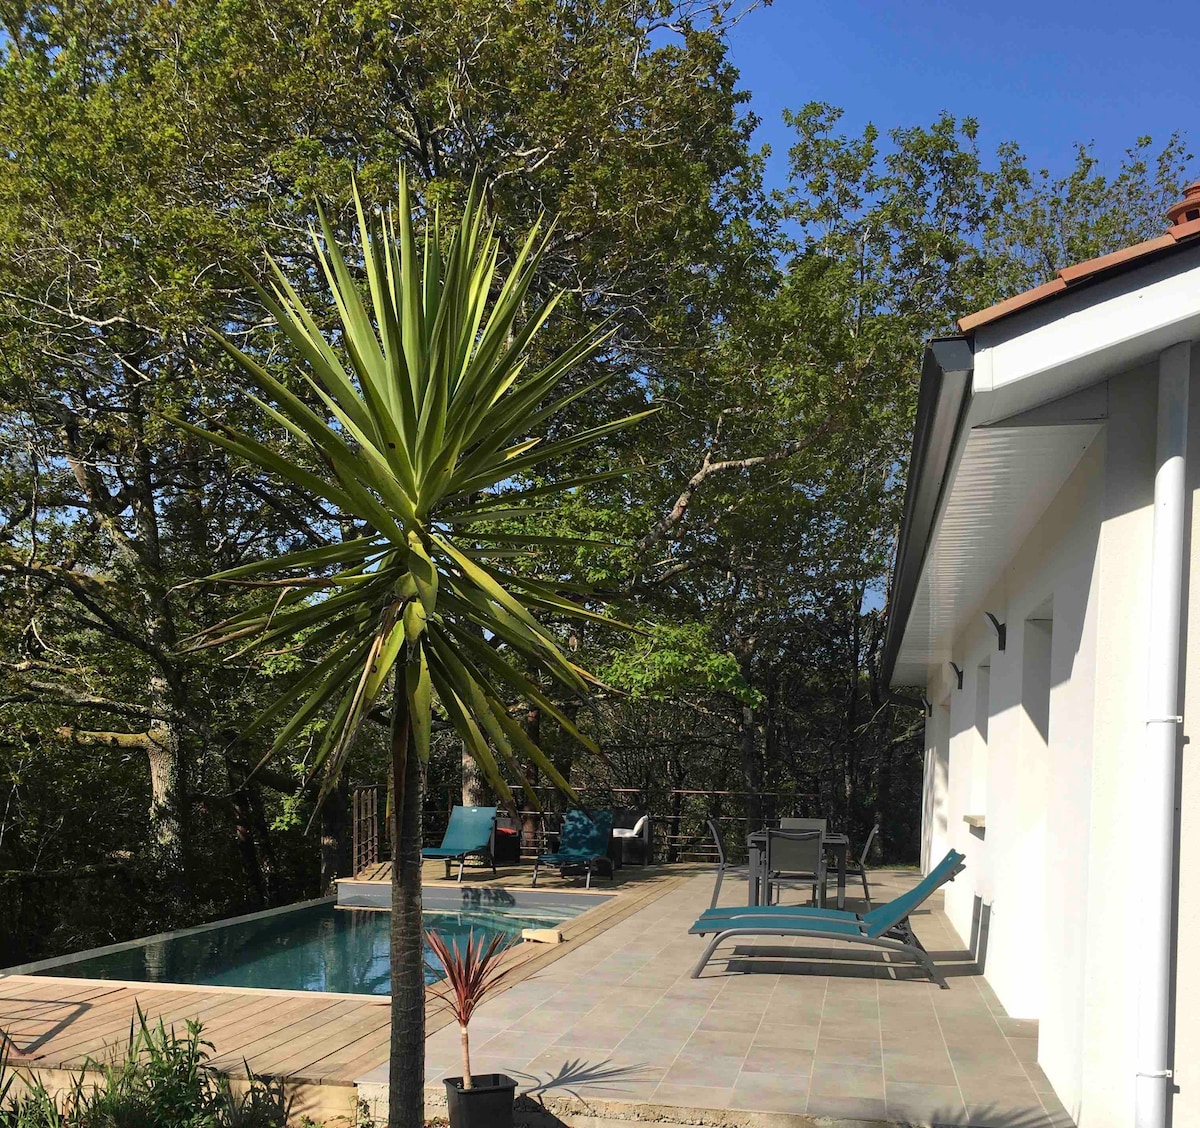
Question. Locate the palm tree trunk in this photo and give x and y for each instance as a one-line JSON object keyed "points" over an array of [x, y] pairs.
{"points": [[406, 1074]]}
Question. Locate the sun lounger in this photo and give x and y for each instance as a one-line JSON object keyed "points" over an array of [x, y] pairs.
{"points": [[469, 832], [886, 927], [583, 845]]}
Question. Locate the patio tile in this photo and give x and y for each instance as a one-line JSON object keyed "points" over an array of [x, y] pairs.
{"points": [[764, 1093], [777, 1060], [982, 1087], [703, 1069], [794, 1011], [785, 1036], [918, 1040], [1024, 1049], [649, 1051], [1007, 1116], [920, 1069], [837, 1080], [730, 1043], [730, 1018], [991, 1062], [842, 1026], [848, 1051], [925, 1104], [521, 1045], [1017, 1027], [852, 1108], [543, 1018], [1037, 1078], [692, 1096]]}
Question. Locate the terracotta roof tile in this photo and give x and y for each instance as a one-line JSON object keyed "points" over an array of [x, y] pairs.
{"points": [[1011, 305], [1081, 270], [1180, 232]]}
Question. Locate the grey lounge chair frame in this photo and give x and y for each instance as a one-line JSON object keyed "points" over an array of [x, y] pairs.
{"points": [[722, 859], [859, 869], [821, 924]]}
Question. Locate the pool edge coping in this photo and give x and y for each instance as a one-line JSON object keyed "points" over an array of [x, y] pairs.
{"points": [[34, 967]]}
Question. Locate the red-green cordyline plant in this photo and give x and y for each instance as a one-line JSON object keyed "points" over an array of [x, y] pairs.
{"points": [[418, 418], [472, 974]]}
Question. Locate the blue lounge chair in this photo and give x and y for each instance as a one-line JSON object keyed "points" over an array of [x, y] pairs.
{"points": [[885, 927], [469, 831], [583, 845]]}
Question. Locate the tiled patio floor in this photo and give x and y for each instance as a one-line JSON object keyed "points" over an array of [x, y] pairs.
{"points": [[854, 1037]]}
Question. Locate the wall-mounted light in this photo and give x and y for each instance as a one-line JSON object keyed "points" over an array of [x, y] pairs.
{"points": [[957, 673], [1000, 628], [928, 706]]}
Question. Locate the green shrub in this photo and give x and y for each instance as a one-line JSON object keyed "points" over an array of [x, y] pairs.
{"points": [[162, 1081]]}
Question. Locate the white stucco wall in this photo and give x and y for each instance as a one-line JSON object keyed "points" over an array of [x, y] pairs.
{"points": [[1055, 872]]}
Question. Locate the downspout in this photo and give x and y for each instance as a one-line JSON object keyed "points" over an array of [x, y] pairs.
{"points": [[1157, 769]]}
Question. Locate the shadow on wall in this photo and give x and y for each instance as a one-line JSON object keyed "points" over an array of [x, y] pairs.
{"points": [[981, 918]]}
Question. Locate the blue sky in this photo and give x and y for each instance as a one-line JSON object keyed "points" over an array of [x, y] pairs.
{"points": [[1044, 74]]}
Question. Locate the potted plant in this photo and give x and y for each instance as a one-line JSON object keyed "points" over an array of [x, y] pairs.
{"points": [[483, 1100]]}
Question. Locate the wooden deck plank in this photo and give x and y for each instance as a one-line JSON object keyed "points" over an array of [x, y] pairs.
{"points": [[299, 1024], [95, 1017], [330, 1059], [337, 1024], [97, 1033], [254, 1044], [174, 1013], [370, 1052]]}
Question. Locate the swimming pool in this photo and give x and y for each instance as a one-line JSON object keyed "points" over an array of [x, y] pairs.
{"points": [[313, 947]]}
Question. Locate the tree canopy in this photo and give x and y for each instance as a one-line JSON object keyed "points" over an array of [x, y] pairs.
{"points": [[151, 158]]}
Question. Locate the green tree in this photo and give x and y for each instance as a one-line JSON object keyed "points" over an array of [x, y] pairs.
{"points": [[146, 156], [418, 419]]}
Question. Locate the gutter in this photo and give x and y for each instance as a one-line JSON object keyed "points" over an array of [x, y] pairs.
{"points": [[946, 373]]}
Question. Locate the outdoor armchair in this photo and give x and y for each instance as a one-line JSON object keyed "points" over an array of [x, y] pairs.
{"points": [[470, 831], [633, 836], [859, 869], [804, 824], [583, 846], [884, 927], [796, 857]]}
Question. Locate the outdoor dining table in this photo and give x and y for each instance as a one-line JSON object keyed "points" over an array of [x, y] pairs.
{"points": [[837, 844]]}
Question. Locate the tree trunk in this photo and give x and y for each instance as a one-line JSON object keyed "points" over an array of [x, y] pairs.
{"points": [[533, 729], [166, 802], [748, 739], [406, 1074], [334, 820], [474, 793]]}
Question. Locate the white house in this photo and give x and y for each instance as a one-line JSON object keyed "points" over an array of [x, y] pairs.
{"points": [[1046, 601]]}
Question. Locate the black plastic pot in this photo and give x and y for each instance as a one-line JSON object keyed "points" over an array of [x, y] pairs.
{"points": [[488, 1103]]}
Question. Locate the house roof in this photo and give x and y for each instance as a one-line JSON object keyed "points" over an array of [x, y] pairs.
{"points": [[1185, 219], [989, 456]]}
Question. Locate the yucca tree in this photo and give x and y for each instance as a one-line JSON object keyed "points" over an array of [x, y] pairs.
{"points": [[418, 418]]}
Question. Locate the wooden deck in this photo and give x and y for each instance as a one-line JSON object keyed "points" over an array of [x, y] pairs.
{"points": [[320, 1043], [520, 876]]}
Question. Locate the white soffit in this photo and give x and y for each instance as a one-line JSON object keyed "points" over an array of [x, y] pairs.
{"points": [[1006, 479]]}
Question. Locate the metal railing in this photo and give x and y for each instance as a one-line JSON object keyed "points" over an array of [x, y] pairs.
{"points": [[370, 847], [680, 831]]}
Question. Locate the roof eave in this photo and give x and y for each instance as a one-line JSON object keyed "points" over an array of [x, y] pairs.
{"points": [[945, 393]]}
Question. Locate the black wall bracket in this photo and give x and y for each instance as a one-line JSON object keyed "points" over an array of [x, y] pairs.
{"points": [[957, 673], [1000, 628]]}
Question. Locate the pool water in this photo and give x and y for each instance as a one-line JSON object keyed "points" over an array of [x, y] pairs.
{"points": [[315, 948]]}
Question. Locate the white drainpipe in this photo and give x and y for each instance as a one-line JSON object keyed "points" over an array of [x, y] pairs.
{"points": [[1156, 850]]}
